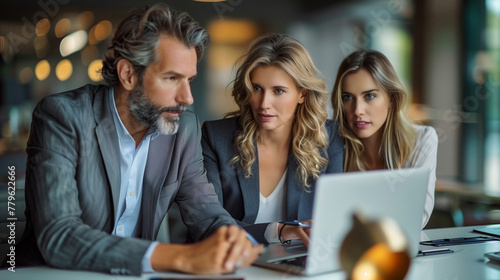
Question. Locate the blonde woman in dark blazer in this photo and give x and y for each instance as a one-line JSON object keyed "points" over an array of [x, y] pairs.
{"points": [[264, 158]]}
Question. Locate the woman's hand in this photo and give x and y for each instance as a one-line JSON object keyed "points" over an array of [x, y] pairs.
{"points": [[295, 232]]}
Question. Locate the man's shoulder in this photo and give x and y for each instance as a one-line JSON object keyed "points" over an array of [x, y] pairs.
{"points": [[189, 125], [78, 98], [188, 119]]}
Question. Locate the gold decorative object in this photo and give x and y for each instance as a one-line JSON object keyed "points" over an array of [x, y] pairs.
{"points": [[375, 249]]}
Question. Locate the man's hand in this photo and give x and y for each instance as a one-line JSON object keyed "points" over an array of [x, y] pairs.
{"points": [[222, 252], [242, 252]]}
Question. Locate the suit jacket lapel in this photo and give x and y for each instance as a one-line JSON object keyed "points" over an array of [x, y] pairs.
{"points": [[294, 189], [250, 191], [159, 158], [108, 141], [251, 196]]}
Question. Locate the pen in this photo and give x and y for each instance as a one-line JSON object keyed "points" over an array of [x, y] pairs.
{"points": [[295, 224], [434, 252], [458, 241]]}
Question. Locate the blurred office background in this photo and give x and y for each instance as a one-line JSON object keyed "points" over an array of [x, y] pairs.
{"points": [[447, 52]]}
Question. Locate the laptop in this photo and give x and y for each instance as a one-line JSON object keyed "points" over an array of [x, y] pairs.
{"points": [[398, 194]]}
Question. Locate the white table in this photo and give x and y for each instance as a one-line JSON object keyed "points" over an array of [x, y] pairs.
{"points": [[467, 262]]}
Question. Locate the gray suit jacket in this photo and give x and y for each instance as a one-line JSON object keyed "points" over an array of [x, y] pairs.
{"points": [[73, 185], [240, 195]]}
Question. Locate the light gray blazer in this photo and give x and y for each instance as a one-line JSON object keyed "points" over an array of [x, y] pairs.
{"points": [[240, 195], [73, 185]]}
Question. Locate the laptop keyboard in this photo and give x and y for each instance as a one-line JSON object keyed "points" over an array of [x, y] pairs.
{"points": [[299, 262]]}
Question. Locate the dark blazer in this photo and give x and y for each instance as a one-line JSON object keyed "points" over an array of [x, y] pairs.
{"points": [[240, 195], [73, 185]]}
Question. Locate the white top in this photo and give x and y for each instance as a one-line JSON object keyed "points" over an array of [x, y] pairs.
{"points": [[425, 154], [272, 209]]}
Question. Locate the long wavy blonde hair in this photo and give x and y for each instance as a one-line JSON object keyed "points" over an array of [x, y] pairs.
{"points": [[309, 137], [399, 136]]}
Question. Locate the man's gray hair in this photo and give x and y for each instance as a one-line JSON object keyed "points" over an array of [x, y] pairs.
{"points": [[138, 35]]}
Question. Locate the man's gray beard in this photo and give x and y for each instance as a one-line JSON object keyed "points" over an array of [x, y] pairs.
{"points": [[150, 115], [167, 127]]}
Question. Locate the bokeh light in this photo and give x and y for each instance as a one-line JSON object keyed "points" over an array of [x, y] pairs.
{"points": [[41, 45], [42, 70], [92, 39], [232, 31], [25, 75], [84, 20], [42, 27], [103, 30], [94, 70], [64, 69], [63, 26], [89, 53], [73, 42]]}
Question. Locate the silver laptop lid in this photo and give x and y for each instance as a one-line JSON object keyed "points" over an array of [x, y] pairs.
{"points": [[398, 194]]}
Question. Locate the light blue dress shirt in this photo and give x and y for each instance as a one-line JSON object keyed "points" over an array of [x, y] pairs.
{"points": [[132, 165]]}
